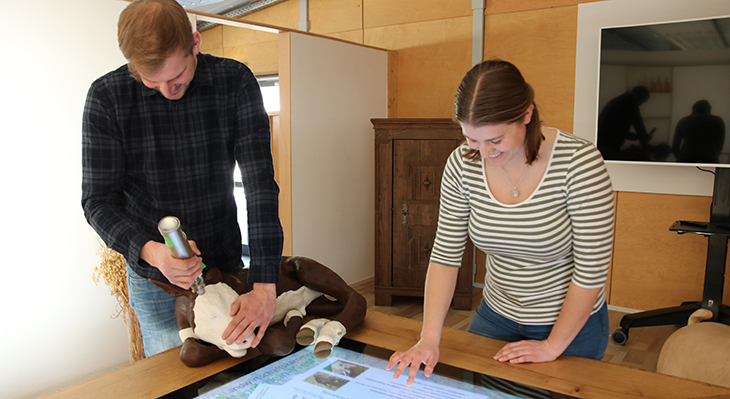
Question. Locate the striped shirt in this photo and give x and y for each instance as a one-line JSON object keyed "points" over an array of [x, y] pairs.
{"points": [[562, 233]]}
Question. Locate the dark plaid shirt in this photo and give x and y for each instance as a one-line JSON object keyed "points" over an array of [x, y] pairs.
{"points": [[146, 157]]}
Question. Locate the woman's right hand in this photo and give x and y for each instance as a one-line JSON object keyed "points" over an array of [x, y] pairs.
{"points": [[426, 353]]}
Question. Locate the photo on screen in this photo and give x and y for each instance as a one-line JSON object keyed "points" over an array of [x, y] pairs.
{"points": [[328, 381], [347, 369]]}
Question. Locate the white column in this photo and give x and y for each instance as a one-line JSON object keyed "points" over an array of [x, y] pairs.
{"points": [[304, 15], [477, 39]]}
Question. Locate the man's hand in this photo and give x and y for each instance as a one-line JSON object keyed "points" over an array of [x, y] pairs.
{"points": [[251, 310], [181, 272]]}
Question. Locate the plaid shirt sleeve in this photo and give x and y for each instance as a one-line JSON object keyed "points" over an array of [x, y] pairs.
{"points": [[103, 172], [253, 153]]}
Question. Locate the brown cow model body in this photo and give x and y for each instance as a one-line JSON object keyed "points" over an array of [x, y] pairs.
{"points": [[302, 282]]}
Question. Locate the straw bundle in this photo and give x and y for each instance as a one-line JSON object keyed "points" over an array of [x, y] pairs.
{"points": [[113, 270]]}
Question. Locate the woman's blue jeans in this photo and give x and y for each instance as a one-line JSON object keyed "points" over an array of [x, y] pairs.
{"points": [[155, 311], [591, 341]]}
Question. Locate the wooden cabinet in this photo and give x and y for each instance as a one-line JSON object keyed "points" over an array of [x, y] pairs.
{"points": [[410, 155]]}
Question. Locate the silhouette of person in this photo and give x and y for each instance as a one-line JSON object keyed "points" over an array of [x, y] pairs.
{"points": [[700, 136], [616, 120]]}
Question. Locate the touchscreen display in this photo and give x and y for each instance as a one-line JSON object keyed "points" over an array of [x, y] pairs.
{"points": [[346, 374]]}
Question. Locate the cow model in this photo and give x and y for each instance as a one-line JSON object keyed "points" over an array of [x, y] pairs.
{"points": [[201, 319]]}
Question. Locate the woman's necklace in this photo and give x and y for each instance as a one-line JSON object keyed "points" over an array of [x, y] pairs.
{"points": [[515, 192]]}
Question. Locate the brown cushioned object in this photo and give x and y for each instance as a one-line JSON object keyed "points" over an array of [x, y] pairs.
{"points": [[700, 351]]}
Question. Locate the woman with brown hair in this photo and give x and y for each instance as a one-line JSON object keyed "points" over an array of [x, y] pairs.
{"points": [[539, 203]]}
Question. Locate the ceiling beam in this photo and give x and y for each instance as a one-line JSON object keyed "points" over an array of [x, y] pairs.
{"points": [[239, 12], [224, 20]]}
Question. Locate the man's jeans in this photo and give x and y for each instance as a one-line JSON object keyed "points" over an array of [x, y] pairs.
{"points": [[155, 311]]}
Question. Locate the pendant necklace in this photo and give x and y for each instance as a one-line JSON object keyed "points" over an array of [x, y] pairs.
{"points": [[515, 192]]}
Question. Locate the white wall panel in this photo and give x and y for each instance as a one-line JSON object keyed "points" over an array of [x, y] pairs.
{"points": [[336, 88]]}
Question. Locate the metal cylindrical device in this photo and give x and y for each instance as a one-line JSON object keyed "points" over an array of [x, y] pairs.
{"points": [[177, 243], [175, 238]]}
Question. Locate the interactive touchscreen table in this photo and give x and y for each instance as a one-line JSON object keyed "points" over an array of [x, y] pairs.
{"points": [[353, 371], [461, 354]]}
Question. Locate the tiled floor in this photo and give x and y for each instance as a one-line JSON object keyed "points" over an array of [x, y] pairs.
{"points": [[640, 351]]}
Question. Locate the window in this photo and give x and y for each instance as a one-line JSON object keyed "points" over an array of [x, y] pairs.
{"points": [[270, 92]]}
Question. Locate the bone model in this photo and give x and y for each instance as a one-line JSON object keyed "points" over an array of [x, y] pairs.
{"points": [[212, 314]]}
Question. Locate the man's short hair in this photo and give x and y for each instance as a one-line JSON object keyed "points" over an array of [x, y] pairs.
{"points": [[149, 31]]}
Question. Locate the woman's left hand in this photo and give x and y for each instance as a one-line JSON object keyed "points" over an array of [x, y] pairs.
{"points": [[527, 352]]}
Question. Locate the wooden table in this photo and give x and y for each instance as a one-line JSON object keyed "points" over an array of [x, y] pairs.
{"points": [[584, 378]]}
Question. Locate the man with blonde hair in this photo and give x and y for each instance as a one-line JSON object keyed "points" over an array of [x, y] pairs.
{"points": [[161, 136]]}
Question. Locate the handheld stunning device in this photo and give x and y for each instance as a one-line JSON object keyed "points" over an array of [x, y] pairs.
{"points": [[177, 243]]}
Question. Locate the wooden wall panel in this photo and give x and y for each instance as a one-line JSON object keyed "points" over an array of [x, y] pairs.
{"points": [[284, 15], [212, 40], [377, 13], [354, 36], [432, 58], [215, 52], [258, 50], [609, 278], [236, 36], [262, 58], [542, 45], [327, 16], [505, 6], [654, 267], [392, 84]]}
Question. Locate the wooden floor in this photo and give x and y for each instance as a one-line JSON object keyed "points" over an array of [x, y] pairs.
{"points": [[640, 351]]}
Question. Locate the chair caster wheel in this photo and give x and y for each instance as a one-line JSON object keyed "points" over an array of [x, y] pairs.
{"points": [[619, 337]]}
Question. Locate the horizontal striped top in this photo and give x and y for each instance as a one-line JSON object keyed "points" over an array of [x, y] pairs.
{"points": [[562, 233]]}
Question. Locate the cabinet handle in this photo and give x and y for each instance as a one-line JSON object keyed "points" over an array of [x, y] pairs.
{"points": [[427, 182], [404, 212]]}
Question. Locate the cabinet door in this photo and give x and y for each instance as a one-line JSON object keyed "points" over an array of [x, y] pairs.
{"points": [[417, 169]]}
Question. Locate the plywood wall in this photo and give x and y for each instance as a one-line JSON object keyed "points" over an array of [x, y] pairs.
{"points": [[431, 50], [432, 44], [258, 50], [429, 68], [652, 266], [548, 62]]}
